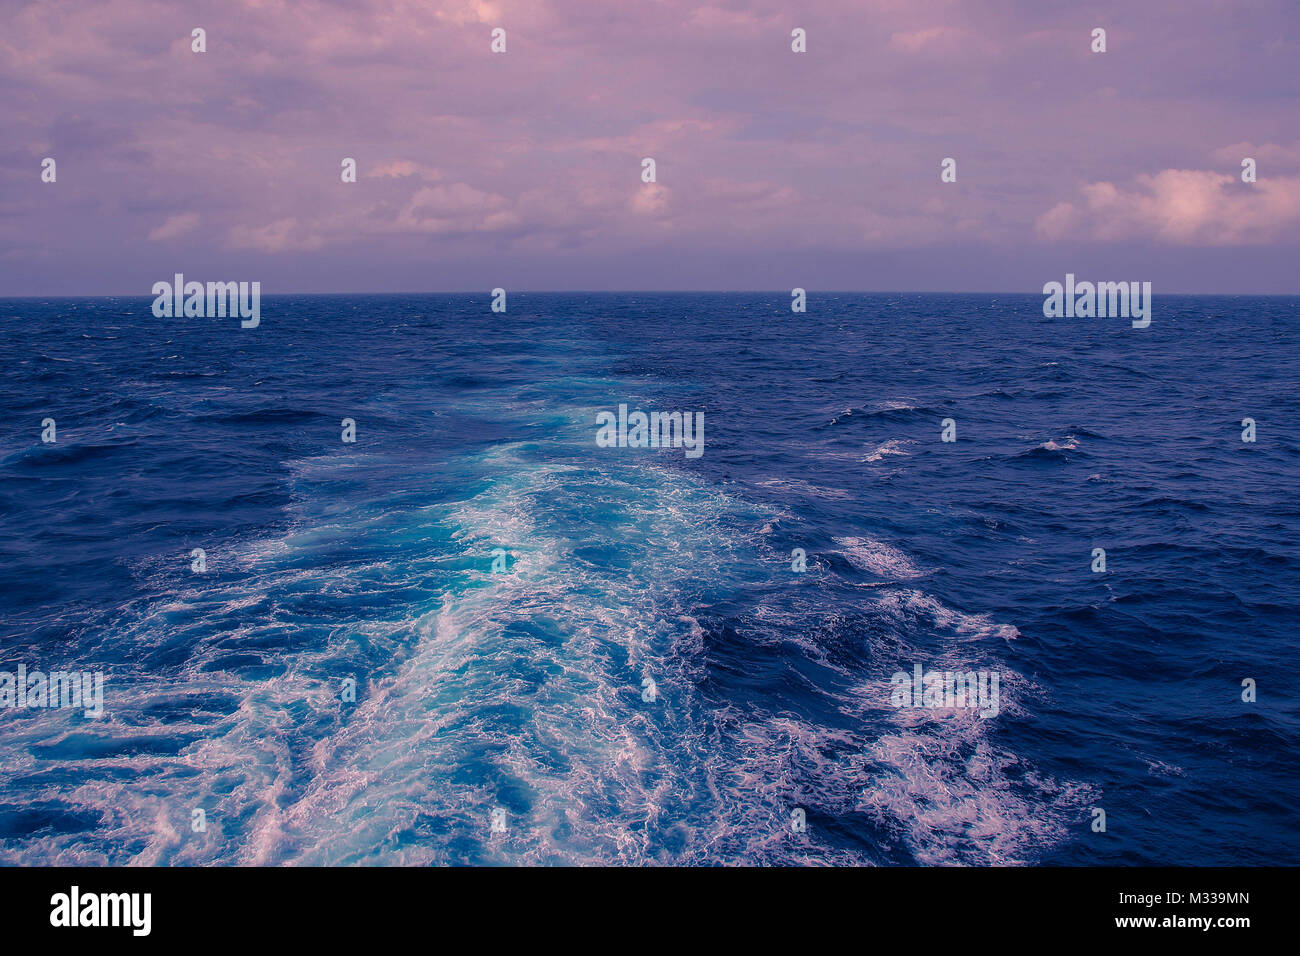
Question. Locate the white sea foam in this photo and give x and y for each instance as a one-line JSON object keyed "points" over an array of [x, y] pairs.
{"points": [[523, 689], [1069, 443], [879, 558], [802, 487], [892, 447], [914, 606]]}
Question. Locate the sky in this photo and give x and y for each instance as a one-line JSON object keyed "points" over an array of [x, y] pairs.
{"points": [[774, 169]]}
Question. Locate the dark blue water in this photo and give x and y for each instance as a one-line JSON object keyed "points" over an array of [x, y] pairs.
{"points": [[523, 690]]}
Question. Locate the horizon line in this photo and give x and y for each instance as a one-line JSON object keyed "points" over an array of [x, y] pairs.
{"points": [[459, 292]]}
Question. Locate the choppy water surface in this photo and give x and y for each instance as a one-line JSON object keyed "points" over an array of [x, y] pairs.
{"points": [[523, 690]]}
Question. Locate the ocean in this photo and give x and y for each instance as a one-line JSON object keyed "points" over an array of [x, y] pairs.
{"points": [[564, 653]]}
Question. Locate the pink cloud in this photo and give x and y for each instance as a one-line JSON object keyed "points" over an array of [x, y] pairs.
{"points": [[1181, 207], [650, 199], [283, 235], [1264, 154], [175, 226]]}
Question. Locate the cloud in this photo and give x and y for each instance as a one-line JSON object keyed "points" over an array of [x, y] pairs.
{"points": [[651, 199], [445, 209], [1265, 154], [462, 153], [938, 40], [400, 168], [175, 226], [1181, 207], [282, 235], [467, 11]]}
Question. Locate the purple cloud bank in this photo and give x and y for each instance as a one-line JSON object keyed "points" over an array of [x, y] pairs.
{"points": [[523, 169]]}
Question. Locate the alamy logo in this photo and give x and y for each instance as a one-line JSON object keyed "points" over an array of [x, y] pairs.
{"points": [[215, 301], [58, 689], [653, 430], [1105, 300], [946, 689], [103, 909]]}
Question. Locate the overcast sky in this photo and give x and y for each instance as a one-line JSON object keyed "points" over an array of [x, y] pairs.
{"points": [[523, 169]]}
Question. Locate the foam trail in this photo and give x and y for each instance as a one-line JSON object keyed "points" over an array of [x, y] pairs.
{"points": [[523, 690]]}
